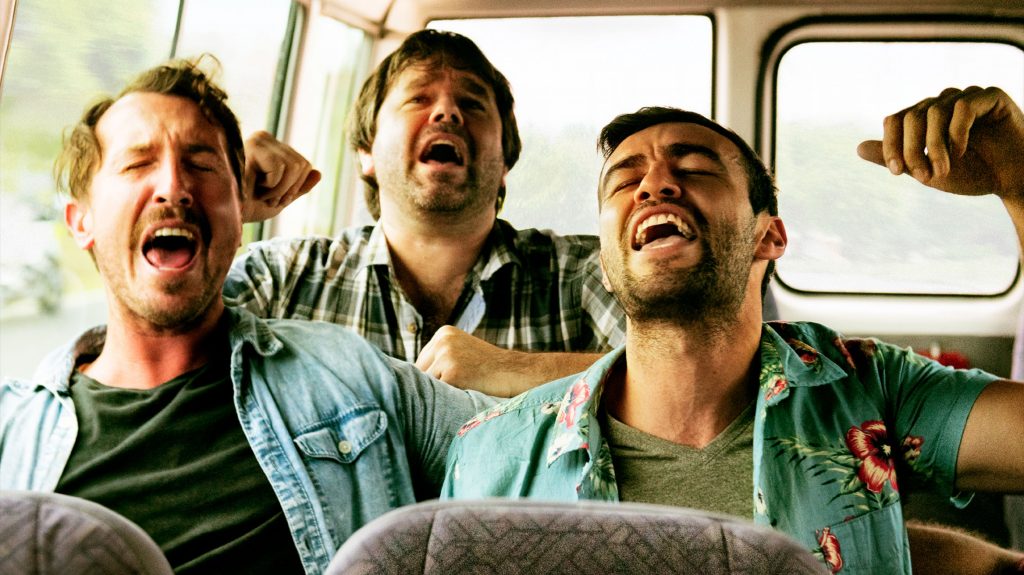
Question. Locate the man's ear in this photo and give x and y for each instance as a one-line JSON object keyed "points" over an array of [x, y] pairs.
{"points": [[366, 163], [773, 240], [79, 222]]}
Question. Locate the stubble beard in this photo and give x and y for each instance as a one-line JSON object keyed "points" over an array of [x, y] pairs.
{"points": [[188, 310], [710, 294], [445, 194]]}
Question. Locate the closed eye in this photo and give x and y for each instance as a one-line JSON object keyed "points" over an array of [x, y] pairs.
{"points": [[471, 104], [135, 166]]}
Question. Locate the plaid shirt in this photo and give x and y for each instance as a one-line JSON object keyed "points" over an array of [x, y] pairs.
{"points": [[530, 290]]}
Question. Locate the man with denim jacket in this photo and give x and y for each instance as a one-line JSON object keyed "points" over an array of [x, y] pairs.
{"points": [[239, 444], [791, 425]]}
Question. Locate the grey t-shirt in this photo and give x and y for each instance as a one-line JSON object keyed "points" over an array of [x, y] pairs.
{"points": [[717, 478]]}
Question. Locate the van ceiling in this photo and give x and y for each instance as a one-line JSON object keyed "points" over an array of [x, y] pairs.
{"points": [[403, 16]]}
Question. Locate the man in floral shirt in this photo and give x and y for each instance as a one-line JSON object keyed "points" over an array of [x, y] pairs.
{"points": [[705, 406]]}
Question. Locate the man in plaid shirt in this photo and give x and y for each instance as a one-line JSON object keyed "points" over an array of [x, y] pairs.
{"points": [[439, 280]]}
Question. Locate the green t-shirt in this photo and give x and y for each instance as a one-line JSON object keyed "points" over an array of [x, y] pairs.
{"points": [[718, 477], [175, 461]]}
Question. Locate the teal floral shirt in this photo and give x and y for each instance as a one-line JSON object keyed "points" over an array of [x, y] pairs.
{"points": [[841, 425]]}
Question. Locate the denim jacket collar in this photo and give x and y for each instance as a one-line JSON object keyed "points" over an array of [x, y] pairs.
{"points": [[54, 373]]}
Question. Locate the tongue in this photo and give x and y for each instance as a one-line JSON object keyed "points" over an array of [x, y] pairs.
{"points": [[664, 241], [169, 257]]}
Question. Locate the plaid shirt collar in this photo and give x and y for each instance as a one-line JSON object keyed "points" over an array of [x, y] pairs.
{"points": [[498, 251]]}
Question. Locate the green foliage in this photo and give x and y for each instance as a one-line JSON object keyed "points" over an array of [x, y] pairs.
{"points": [[63, 55]]}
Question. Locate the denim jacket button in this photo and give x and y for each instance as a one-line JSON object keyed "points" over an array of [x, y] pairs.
{"points": [[344, 447]]}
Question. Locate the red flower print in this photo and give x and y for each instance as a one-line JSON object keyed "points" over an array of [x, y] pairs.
{"points": [[579, 393], [861, 349], [466, 427], [841, 345], [776, 388], [869, 443], [912, 447], [807, 354], [830, 549]]}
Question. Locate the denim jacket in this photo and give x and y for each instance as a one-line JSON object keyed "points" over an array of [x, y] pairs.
{"points": [[342, 432]]}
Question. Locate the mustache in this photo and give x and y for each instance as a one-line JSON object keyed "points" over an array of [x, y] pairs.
{"points": [[189, 215]]}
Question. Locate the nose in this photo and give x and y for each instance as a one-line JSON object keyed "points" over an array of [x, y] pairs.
{"points": [[658, 183], [446, 110], [173, 185]]}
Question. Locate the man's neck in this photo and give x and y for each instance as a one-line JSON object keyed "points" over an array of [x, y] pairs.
{"points": [[137, 355], [686, 383], [432, 261]]}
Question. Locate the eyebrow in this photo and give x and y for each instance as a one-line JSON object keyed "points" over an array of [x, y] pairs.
{"points": [[674, 151], [470, 83], [475, 86], [139, 149]]}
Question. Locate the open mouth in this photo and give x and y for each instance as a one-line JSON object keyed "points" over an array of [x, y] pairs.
{"points": [[170, 248], [442, 152], [660, 226]]}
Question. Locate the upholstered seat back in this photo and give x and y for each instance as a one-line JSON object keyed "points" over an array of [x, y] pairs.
{"points": [[515, 536], [51, 534]]}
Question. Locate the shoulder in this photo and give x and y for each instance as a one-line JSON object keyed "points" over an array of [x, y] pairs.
{"points": [[290, 248], [531, 413], [809, 339], [531, 238], [27, 401], [547, 250], [887, 367], [309, 346]]}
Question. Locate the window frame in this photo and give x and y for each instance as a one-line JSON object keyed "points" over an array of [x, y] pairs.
{"points": [[915, 28]]}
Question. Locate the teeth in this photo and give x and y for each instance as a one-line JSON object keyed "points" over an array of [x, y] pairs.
{"points": [[178, 232], [658, 219]]}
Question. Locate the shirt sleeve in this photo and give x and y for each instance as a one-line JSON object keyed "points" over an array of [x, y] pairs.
{"points": [[254, 279], [286, 278], [930, 405], [432, 411]]}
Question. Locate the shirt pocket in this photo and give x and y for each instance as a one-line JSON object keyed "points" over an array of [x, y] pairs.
{"points": [[870, 544], [351, 465], [344, 437]]}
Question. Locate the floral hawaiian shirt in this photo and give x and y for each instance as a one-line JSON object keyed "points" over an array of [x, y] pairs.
{"points": [[841, 425]]}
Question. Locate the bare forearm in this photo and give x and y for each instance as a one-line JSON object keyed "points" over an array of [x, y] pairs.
{"points": [[939, 550], [465, 361], [1015, 207], [541, 367]]}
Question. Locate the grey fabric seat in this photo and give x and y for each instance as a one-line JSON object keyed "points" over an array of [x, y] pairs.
{"points": [[517, 536], [50, 533]]}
